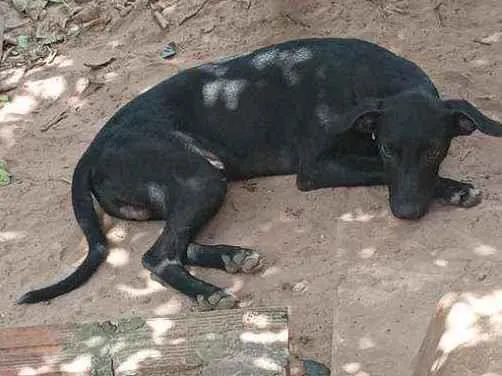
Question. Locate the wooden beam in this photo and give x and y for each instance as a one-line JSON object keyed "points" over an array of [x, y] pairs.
{"points": [[229, 342]]}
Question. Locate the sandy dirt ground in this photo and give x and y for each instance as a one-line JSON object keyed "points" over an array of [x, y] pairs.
{"points": [[361, 285]]}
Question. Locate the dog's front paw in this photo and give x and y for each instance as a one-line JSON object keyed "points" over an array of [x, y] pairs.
{"points": [[465, 196]]}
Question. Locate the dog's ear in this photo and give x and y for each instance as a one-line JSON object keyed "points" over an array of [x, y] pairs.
{"points": [[468, 118], [364, 117]]}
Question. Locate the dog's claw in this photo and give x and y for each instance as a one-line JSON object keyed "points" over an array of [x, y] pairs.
{"points": [[466, 197], [246, 261], [218, 300]]}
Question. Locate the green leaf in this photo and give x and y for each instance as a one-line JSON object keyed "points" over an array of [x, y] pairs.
{"points": [[23, 41], [4, 174]]}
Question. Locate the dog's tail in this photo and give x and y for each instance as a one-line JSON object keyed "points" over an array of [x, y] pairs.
{"points": [[88, 220]]}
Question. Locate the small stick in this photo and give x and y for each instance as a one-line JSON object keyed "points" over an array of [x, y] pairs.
{"points": [[195, 13], [56, 119], [2, 29], [437, 11], [6, 54], [160, 19], [482, 42], [15, 26], [295, 21], [7, 87]]}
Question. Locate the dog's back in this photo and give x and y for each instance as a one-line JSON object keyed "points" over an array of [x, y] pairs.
{"points": [[253, 110]]}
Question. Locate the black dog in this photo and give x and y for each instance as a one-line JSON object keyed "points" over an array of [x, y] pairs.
{"points": [[335, 112]]}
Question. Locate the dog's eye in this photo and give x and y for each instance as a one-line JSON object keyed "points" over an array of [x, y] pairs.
{"points": [[386, 151]]}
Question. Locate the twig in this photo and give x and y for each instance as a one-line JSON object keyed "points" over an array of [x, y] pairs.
{"points": [[437, 11], [56, 119], [64, 180], [2, 28], [100, 64], [482, 42], [4, 87], [295, 21], [195, 13], [160, 19], [9, 40], [465, 155], [15, 26], [50, 58], [6, 54]]}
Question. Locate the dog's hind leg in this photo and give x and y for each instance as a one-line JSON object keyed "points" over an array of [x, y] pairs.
{"points": [[167, 183], [195, 200]]}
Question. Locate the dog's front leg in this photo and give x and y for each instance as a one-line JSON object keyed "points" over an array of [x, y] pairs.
{"points": [[342, 172], [456, 193]]}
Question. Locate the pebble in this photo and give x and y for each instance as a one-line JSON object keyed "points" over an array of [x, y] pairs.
{"points": [[313, 368]]}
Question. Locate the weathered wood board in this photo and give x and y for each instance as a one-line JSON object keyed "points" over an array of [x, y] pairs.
{"points": [[464, 337], [229, 342]]}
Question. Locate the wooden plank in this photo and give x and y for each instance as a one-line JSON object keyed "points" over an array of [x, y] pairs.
{"points": [[463, 337], [251, 341]]}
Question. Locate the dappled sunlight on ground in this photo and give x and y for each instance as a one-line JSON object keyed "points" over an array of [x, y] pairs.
{"points": [[11, 77], [464, 323], [110, 76], [367, 253], [19, 106], [366, 343], [267, 364], [78, 365], [484, 250], [118, 257], [237, 285], [134, 361], [441, 263], [265, 338], [159, 329], [354, 369], [33, 95], [50, 88], [151, 286], [62, 61], [7, 236], [359, 215], [270, 271], [171, 307]]}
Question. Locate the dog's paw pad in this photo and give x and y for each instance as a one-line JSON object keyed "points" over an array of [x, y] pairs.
{"points": [[246, 261], [472, 198], [466, 198], [219, 300]]}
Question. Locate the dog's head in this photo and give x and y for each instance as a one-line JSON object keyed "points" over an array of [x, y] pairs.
{"points": [[413, 133]]}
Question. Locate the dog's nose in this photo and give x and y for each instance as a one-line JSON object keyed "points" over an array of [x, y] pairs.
{"points": [[408, 211]]}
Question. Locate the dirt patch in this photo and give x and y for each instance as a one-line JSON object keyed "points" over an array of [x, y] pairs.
{"points": [[369, 282]]}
